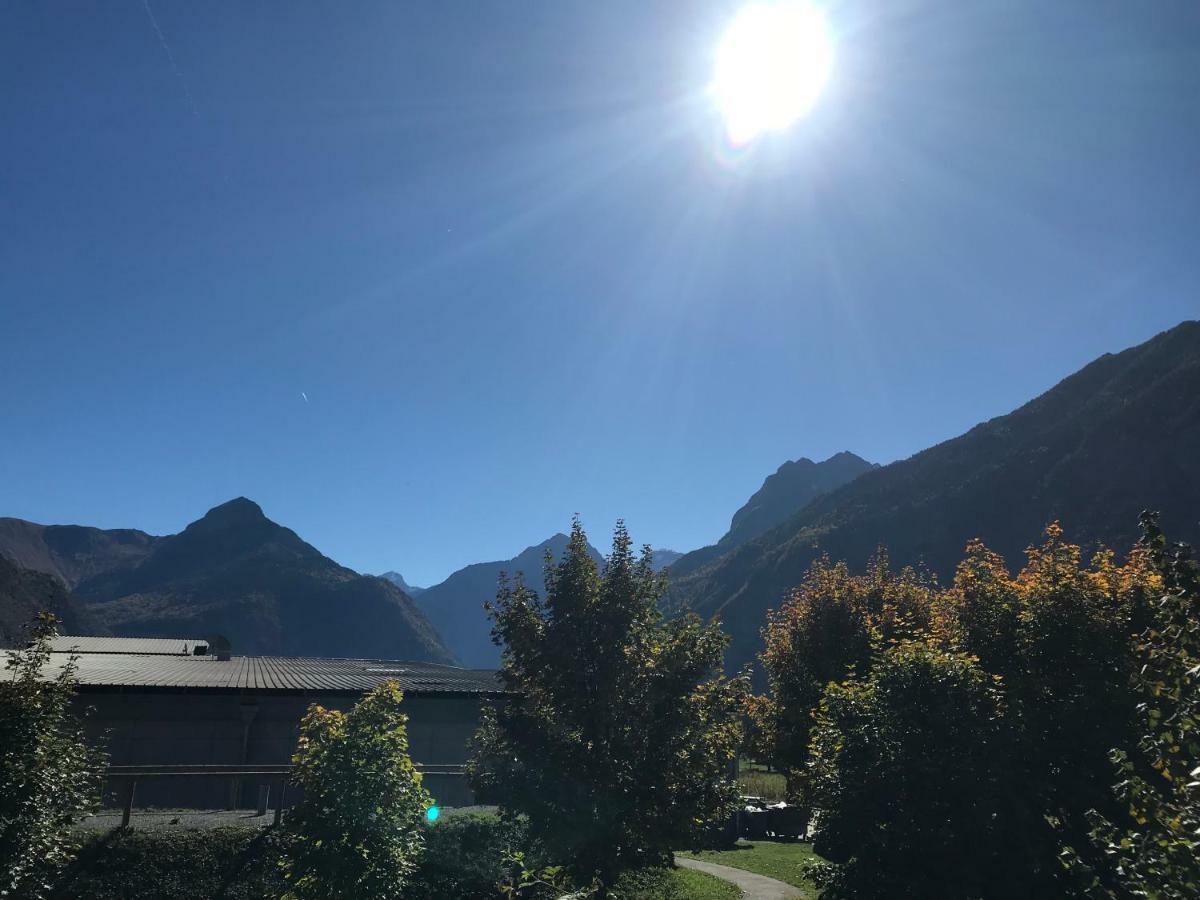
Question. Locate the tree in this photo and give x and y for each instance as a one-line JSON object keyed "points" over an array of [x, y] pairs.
{"points": [[825, 631], [981, 612], [1153, 845], [759, 740], [357, 831], [49, 775], [1057, 642], [617, 740], [910, 771], [1070, 691]]}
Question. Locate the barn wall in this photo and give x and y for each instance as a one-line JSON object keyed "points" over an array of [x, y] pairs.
{"points": [[191, 727]]}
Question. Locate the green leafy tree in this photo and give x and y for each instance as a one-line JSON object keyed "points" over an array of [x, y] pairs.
{"points": [[1057, 643], [618, 738], [1153, 848], [910, 771], [49, 775], [357, 831], [759, 741], [823, 632], [1070, 690]]}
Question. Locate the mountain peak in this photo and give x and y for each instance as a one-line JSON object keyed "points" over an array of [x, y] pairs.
{"points": [[794, 485], [845, 456], [239, 509], [398, 580]]}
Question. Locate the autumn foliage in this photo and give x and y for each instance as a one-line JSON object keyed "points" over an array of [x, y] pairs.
{"points": [[953, 740]]}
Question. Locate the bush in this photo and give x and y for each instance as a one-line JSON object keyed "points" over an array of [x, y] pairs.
{"points": [[358, 830], [464, 857], [49, 775], [910, 769], [232, 863]]}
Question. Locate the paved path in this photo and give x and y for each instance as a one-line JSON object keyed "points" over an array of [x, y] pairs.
{"points": [[754, 886]]}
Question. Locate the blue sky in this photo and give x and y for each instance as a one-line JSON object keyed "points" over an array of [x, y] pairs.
{"points": [[501, 250]]}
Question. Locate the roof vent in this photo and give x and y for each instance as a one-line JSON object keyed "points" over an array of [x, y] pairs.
{"points": [[220, 646]]}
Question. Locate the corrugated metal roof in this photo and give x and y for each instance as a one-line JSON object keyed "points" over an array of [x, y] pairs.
{"points": [[66, 643], [274, 673]]}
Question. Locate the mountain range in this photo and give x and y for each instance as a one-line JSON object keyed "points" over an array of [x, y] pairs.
{"points": [[1120, 435], [233, 572], [455, 607]]}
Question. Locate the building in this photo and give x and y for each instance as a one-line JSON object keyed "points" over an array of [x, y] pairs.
{"points": [[175, 702]]}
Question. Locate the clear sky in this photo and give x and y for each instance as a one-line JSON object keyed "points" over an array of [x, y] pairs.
{"points": [[424, 279]]}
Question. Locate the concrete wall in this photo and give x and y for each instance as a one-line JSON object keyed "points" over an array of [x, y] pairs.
{"points": [[166, 727]]}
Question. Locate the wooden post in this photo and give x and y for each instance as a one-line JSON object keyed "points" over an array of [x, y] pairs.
{"points": [[279, 800], [264, 797], [128, 810]]}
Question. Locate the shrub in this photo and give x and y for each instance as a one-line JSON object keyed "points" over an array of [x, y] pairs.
{"points": [[357, 832], [49, 775], [464, 857], [233, 863], [910, 772]]}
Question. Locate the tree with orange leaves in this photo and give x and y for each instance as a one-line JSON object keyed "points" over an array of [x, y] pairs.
{"points": [[890, 658]]}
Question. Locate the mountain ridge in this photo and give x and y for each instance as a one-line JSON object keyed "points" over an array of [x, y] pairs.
{"points": [[398, 580], [1120, 434], [234, 572], [792, 486]]}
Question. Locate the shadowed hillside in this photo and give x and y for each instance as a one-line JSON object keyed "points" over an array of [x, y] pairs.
{"points": [[72, 553], [1120, 435], [24, 593]]}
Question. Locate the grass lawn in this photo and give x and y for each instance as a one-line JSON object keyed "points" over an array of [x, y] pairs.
{"points": [[755, 781], [768, 785], [699, 886], [771, 858]]}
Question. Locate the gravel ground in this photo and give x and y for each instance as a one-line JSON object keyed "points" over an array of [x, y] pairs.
{"points": [[194, 818]]}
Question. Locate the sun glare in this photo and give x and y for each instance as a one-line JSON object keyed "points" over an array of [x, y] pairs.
{"points": [[771, 65]]}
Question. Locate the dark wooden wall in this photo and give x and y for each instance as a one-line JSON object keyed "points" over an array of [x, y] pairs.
{"points": [[169, 727]]}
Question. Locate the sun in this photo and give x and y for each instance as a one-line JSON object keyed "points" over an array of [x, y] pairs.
{"points": [[771, 66]]}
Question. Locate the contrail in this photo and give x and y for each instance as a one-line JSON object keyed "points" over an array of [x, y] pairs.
{"points": [[162, 39]]}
